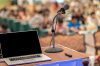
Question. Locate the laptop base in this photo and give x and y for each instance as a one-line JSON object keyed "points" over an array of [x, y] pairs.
{"points": [[25, 61]]}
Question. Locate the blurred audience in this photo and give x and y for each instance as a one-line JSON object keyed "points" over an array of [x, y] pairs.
{"points": [[82, 13]]}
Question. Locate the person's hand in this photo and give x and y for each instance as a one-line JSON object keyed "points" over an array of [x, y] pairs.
{"points": [[82, 32]]}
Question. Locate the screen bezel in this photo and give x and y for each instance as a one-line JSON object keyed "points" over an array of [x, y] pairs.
{"points": [[40, 51]]}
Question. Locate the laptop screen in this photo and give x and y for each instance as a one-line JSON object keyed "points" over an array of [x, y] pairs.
{"points": [[20, 43]]}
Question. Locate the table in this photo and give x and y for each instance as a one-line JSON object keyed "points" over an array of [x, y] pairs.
{"points": [[56, 56], [75, 42]]}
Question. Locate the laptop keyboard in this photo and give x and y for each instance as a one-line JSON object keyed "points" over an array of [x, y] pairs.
{"points": [[22, 58]]}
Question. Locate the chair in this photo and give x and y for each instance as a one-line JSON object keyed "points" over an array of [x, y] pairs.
{"points": [[4, 20], [25, 27], [97, 42], [43, 33], [1, 20], [35, 29], [10, 24], [16, 26]]}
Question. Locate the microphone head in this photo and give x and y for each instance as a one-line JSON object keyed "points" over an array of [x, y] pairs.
{"points": [[66, 7], [62, 10]]}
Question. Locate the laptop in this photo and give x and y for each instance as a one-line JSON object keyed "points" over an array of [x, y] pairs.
{"points": [[21, 48]]}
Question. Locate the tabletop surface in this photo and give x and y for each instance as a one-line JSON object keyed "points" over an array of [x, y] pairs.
{"points": [[56, 56]]}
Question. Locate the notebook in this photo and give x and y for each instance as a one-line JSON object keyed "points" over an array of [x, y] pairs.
{"points": [[21, 48]]}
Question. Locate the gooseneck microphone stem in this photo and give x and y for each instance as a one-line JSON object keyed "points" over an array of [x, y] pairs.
{"points": [[54, 49], [53, 31]]}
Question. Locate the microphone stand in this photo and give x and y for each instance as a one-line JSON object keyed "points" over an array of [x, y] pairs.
{"points": [[54, 49]]}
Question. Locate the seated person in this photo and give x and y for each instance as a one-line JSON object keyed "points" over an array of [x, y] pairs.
{"points": [[3, 28], [60, 28], [92, 22], [74, 25]]}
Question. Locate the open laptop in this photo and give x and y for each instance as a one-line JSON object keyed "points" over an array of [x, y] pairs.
{"points": [[21, 47]]}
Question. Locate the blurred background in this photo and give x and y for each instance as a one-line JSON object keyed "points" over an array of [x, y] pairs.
{"points": [[23, 15], [82, 15]]}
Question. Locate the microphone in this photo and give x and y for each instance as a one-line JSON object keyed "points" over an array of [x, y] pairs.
{"points": [[54, 49], [63, 9]]}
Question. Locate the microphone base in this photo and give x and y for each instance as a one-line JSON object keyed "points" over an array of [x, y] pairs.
{"points": [[53, 50]]}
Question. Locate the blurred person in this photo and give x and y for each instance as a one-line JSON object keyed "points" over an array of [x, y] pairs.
{"points": [[92, 21], [4, 12], [46, 22], [98, 15], [74, 4], [96, 2], [14, 2], [92, 8], [54, 8], [79, 15], [13, 14], [30, 2], [28, 16], [45, 1], [3, 28], [23, 16], [86, 1], [46, 19], [45, 8], [31, 9], [36, 19], [22, 2], [74, 25], [60, 27]]}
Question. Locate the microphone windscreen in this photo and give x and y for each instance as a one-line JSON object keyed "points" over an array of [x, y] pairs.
{"points": [[66, 7]]}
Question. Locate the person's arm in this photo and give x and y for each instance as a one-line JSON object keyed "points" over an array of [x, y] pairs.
{"points": [[74, 29]]}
